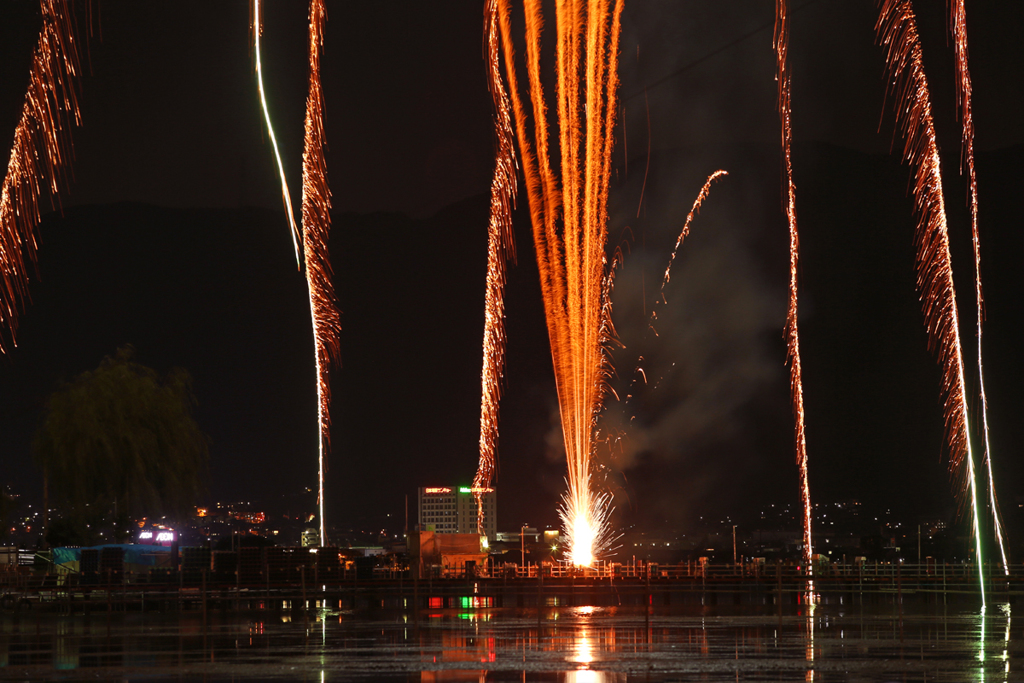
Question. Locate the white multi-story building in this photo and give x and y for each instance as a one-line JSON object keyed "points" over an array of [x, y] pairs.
{"points": [[452, 510]]}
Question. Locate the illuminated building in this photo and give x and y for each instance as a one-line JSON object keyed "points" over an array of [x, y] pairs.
{"points": [[310, 538], [452, 510]]}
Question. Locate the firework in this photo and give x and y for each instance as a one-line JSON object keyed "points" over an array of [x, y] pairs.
{"points": [[39, 155], [897, 32], [796, 386], [694, 210], [316, 225], [958, 27], [500, 249], [257, 30], [569, 218]]}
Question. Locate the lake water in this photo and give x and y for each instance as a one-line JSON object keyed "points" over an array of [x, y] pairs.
{"points": [[827, 642]]}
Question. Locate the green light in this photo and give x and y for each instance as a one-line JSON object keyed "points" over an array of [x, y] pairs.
{"points": [[465, 489], [270, 129], [977, 520]]}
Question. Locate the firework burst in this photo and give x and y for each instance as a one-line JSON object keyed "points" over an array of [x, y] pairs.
{"points": [[500, 249], [316, 225], [569, 218], [39, 155], [958, 27], [897, 32], [796, 385]]}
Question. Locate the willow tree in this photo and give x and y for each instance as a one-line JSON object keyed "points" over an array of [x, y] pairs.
{"points": [[8, 505], [122, 439]]}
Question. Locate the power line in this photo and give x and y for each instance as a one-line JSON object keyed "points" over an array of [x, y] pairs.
{"points": [[714, 53]]}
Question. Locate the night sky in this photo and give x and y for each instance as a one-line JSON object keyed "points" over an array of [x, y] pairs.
{"points": [[172, 238]]}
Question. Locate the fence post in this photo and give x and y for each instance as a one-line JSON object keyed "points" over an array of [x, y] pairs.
{"points": [[204, 598]]}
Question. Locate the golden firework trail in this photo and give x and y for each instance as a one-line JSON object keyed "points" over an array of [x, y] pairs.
{"points": [[257, 31], [569, 218], [958, 27], [694, 210], [316, 225], [796, 385], [39, 155], [500, 249], [897, 32]]}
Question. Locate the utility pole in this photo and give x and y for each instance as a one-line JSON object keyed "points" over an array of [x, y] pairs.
{"points": [[734, 545], [522, 544]]}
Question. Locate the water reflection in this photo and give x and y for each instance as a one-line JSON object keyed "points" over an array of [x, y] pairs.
{"points": [[1006, 642], [583, 651], [805, 641], [810, 601]]}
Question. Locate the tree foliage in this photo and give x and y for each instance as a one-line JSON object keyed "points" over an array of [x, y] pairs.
{"points": [[122, 436], [8, 505]]}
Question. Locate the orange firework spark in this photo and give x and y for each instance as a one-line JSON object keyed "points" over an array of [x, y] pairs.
{"points": [[316, 225], [257, 32], [570, 228], [500, 248], [39, 155], [694, 210], [796, 385], [958, 27], [897, 31]]}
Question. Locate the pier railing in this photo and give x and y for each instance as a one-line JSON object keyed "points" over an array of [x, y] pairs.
{"points": [[868, 571], [472, 586]]}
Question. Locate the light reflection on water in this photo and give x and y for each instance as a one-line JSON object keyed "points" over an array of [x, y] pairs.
{"points": [[811, 642]]}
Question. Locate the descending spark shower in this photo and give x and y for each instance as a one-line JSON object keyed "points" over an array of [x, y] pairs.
{"points": [[500, 248], [796, 385], [897, 31], [569, 220], [958, 26], [39, 155], [316, 225]]}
